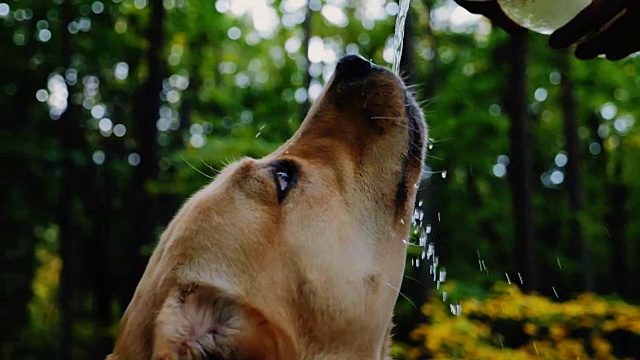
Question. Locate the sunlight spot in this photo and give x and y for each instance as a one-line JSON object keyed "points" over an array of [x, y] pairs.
{"points": [[392, 8], [540, 94], [292, 44], [140, 4], [316, 49], [603, 131], [44, 35], [300, 95], [120, 26], [98, 111], [499, 170], [623, 123], [196, 129], [42, 95], [495, 110], [173, 96], [456, 18], [105, 125], [315, 89], [4, 10], [97, 7], [246, 117], [242, 80], [133, 159], [121, 70], [197, 140], [556, 177], [19, 38], [335, 15], [98, 157], [119, 130], [234, 33], [561, 159], [162, 124], [58, 95], [608, 111]]}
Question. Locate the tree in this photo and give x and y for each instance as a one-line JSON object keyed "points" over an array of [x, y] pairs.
{"points": [[520, 171], [574, 187]]}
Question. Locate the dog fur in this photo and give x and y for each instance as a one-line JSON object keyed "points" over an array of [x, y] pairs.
{"points": [[248, 271]]}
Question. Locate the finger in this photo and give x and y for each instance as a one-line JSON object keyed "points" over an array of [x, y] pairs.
{"points": [[615, 42], [594, 16], [599, 44]]}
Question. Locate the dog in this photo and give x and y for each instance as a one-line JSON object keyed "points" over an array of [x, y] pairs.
{"points": [[298, 255]]}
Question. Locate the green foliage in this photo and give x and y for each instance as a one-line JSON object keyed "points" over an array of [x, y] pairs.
{"points": [[507, 324], [232, 88]]}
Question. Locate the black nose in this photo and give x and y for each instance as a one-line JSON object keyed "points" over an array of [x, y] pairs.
{"points": [[353, 66]]}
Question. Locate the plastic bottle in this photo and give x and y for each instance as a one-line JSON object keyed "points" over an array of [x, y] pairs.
{"points": [[542, 16]]}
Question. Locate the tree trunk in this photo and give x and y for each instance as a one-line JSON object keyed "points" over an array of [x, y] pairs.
{"points": [[520, 166], [573, 185], [100, 204], [145, 111], [616, 221], [71, 139]]}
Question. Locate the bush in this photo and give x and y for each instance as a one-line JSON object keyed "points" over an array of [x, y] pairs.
{"points": [[508, 324]]}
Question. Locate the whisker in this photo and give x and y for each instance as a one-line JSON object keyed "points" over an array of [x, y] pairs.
{"points": [[195, 168], [434, 157], [414, 279], [434, 141], [215, 171], [415, 86], [400, 292]]}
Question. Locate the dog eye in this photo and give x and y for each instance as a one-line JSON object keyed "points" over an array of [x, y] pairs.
{"points": [[283, 180], [284, 175]]}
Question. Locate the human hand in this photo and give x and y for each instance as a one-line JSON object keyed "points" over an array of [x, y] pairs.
{"points": [[619, 39]]}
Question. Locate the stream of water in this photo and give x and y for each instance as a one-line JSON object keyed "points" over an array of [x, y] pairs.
{"points": [[398, 36]]}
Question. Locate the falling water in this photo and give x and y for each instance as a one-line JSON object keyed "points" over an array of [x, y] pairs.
{"points": [[398, 36]]}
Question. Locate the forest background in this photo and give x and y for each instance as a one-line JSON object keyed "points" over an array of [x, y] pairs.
{"points": [[115, 111]]}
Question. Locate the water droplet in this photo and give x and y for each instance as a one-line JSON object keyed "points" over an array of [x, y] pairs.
{"points": [[555, 292], [508, 279], [520, 277], [444, 174]]}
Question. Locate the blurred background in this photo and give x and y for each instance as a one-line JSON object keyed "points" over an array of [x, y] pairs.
{"points": [[115, 111]]}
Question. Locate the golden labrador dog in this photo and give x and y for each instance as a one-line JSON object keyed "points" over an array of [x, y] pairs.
{"points": [[298, 255]]}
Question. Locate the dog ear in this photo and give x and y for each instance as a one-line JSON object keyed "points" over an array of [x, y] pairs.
{"points": [[201, 322]]}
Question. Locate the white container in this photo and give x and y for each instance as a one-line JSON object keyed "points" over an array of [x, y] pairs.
{"points": [[542, 16]]}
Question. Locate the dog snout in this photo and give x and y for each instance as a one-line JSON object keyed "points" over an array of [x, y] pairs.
{"points": [[353, 66]]}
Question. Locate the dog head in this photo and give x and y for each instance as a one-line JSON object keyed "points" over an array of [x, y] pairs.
{"points": [[296, 255]]}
